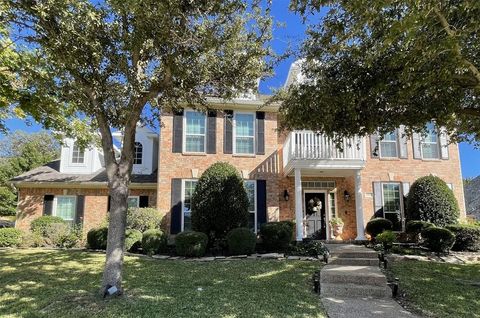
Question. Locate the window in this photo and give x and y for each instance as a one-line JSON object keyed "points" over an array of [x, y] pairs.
{"points": [[388, 145], [133, 201], [188, 189], [429, 145], [392, 204], [78, 154], [244, 133], [137, 159], [331, 205], [251, 188], [65, 207], [195, 123]]}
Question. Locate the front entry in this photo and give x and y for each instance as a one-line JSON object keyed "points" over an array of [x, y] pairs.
{"points": [[315, 207]]}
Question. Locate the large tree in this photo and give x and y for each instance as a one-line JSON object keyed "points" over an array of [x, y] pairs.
{"points": [[101, 65], [379, 64]]}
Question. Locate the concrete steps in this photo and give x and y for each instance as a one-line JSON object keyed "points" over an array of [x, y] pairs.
{"points": [[360, 261], [360, 275], [354, 290]]}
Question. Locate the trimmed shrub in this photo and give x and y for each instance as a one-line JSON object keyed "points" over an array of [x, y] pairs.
{"points": [[219, 202], [154, 241], [377, 226], [97, 238], [310, 248], [437, 239], [10, 237], [61, 235], [191, 243], [431, 200], [39, 224], [143, 219], [241, 241], [276, 236], [415, 228], [467, 237], [133, 240], [386, 238]]}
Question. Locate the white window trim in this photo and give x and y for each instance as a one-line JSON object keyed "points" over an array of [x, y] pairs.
{"points": [[183, 201], [184, 132], [334, 202], [422, 142], [55, 201], [254, 202], [135, 153], [402, 212], [234, 134], [135, 197], [397, 150], [78, 164]]}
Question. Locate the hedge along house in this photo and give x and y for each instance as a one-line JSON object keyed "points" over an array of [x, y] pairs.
{"points": [[298, 176]]}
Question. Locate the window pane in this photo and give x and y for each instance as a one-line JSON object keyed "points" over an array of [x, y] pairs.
{"points": [[332, 205], [187, 204], [392, 204], [244, 125], [195, 123], [430, 150], [132, 202], [78, 155], [244, 145], [195, 143], [388, 149], [66, 208], [137, 159], [431, 133], [250, 187]]}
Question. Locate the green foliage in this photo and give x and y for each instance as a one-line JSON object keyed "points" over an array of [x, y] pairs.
{"points": [[143, 219], [386, 238], [191, 244], [415, 228], [60, 235], [437, 239], [97, 238], [10, 237], [377, 226], [431, 200], [153, 241], [276, 236], [8, 201], [133, 240], [40, 224], [220, 202], [376, 65], [241, 241], [467, 237], [308, 248]]}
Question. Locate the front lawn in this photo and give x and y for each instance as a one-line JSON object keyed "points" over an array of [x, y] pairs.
{"points": [[54, 283], [440, 289]]}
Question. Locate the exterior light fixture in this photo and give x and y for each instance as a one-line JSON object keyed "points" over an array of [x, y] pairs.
{"points": [[286, 196], [346, 195]]}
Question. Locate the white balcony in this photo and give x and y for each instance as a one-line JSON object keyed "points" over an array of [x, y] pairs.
{"points": [[311, 152]]}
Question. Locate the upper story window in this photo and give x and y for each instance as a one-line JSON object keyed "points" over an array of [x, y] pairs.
{"points": [[244, 133], [251, 188], [195, 123], [430, 144], [137, 159], [388, 145], [78, 154]]}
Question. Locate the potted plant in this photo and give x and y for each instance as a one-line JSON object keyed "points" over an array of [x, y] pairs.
{"points": [[337, 228]]}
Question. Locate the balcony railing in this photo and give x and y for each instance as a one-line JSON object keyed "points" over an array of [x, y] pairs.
{"points": [[308, 145]]}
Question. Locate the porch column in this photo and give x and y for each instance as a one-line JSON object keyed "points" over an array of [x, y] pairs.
{"points": [[359, 207], [298, 204]]}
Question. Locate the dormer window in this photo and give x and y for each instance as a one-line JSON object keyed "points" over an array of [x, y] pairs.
{"points": [[78, 154], [137, 159]]}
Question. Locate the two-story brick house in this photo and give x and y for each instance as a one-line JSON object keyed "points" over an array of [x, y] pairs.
{"points": [[287, 175]]}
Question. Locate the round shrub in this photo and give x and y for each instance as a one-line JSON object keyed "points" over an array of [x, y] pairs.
{"points": [[310, 248], [415, 228], [467, 237], [133, 240], [276, 236], [386, 238], [10, 237], [431, 200], [191, 243], [437, 239], [153, 241], [219, 202], [61, 235], [41, 223], [377, 226], [143, 219], [97, 238], [241, 241]]}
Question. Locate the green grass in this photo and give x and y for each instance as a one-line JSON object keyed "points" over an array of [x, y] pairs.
{"points": [[440, 289], [53, 283]]}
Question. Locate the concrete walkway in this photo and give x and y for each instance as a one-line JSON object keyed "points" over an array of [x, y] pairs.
{"points": [[352, 285]]}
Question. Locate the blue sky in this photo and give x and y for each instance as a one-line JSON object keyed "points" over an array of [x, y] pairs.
{"points": [[290, 36]]}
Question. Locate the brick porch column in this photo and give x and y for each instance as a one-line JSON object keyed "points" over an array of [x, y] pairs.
{"points": [[298, 205], [359, 207]]}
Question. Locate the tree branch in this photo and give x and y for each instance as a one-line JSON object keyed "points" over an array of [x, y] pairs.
{"points": [[471, 111]]}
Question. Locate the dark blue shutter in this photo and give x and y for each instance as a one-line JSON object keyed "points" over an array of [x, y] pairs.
{"points": [[212, 132], [176, 211], [143, 201], [48, 204], [261, 202], [80, 209], [177, 140], [260, 140], [109, 203], [228, 132]]}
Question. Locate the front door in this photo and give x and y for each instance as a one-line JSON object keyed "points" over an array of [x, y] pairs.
{"points": [[315, 207]]}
